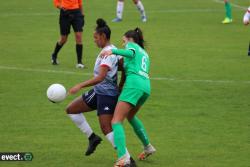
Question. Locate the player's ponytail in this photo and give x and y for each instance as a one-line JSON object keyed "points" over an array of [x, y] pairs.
{"points": [[103, 28], [136, 35], [140, 37]]}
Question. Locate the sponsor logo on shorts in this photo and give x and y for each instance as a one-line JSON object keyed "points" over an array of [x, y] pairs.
{"points": [[106, 109]]}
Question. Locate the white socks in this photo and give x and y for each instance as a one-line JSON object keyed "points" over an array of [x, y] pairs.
{"points": [[110, 137], [119, 9], [140, 7], [81, 123]]}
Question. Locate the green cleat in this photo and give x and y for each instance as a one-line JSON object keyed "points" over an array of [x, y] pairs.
{"points": [[227, 21]]}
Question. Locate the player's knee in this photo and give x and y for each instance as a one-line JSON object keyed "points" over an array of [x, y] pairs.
{"points": [[115, 121], [135, 1], [106, 128], [78, 39], [69, 109], [63, 40]]}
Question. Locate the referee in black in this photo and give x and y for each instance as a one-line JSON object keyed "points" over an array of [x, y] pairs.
{"points": [[71, 14]]}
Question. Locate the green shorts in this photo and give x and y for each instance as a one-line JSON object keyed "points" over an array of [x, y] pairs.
{"points": [[133, 96]]}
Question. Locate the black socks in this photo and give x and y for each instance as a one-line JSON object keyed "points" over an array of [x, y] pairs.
{"points": [[79, 53], [56, 50]]}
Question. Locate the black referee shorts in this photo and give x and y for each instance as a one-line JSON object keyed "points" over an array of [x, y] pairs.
{"points": [[68, 18]]}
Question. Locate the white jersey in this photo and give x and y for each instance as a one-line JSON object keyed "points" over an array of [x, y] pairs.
{"points": [[109, 85]]}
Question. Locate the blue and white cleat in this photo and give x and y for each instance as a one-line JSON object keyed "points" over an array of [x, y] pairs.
{"points": [[144, 19], [117, 19]]}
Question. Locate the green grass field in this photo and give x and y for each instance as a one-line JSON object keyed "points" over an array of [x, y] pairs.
{"points": [[199, 111]]}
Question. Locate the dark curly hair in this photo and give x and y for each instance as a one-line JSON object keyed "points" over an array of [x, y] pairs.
{"points": [[103, 28]]}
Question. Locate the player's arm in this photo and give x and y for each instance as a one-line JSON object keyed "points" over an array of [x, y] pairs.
{"points": [[57, 4], [81, 7], [122, 52], [91, 82], [123, 76]]}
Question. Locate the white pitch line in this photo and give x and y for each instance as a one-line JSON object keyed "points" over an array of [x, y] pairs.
{"points": [[134, 11], [43, 70], [91, 74], [129, 11], [233, 4]]}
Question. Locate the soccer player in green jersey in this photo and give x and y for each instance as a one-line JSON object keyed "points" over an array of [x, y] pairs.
{"points": [[135, 92], [228, 19]]}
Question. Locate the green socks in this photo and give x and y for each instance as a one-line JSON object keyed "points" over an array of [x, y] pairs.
{"points": [[139, 130], [228, 10], [119, 138]]}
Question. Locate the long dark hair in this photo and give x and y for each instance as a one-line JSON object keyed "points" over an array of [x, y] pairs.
{"points": [[136, 35], [103, 28]]}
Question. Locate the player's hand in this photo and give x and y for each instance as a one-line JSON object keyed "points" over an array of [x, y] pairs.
{"points": [[83, 20], [59, 7], [74, 89], [106, 53]]}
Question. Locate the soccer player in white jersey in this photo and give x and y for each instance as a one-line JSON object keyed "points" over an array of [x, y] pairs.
{"points": [[103, 97], [120, 7]]}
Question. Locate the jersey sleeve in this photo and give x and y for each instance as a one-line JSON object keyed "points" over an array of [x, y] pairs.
{"points": [[80, 2], [123, 52], [108, 61], [57, 3], [130, 46]]}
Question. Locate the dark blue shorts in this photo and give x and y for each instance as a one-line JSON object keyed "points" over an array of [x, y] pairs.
{"points": [[102, 103], [70, 18]]}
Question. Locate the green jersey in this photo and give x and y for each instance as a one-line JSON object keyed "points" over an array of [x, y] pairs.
{"points": [[136, 66]]}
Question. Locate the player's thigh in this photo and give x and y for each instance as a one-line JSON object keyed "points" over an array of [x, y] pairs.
{"points": [[78, 22], [135, 97], [131, 95], [85, 103], [135, 1], [105, 110], [133, 112], [106, 104], [78, 105], [64, 22], [122, 110]]}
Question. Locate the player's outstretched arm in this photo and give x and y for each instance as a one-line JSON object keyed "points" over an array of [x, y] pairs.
{"points": [[91, 82]]}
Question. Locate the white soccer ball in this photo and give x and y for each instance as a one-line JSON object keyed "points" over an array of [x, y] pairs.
{"points": [[56, 93]]}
